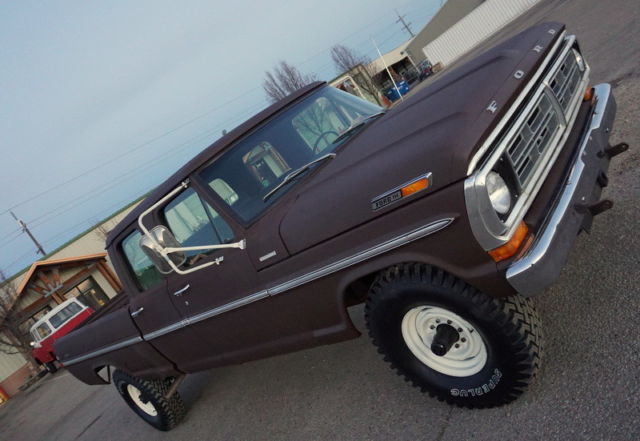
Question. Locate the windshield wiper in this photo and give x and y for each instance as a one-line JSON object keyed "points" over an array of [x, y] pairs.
{"points": [[354, 125], [297, 172]]}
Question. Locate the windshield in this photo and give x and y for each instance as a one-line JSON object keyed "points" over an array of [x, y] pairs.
{"points": [[64, 314], [308, 130]]}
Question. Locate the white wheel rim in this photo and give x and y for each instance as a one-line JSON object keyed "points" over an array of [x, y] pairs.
{"points": [[147, 407], [418, 329]]}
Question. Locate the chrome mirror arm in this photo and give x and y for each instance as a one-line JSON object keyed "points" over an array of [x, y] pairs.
{"points": [[164, 252]]}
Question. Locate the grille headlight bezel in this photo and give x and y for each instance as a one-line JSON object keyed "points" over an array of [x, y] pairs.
{"points": [[499, 193], [490, 227]]}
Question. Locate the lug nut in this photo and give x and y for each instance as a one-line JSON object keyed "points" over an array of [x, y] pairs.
{"points": [[432, 327], [463, 339], [437, 320], [448, 322], [457, 345], [459, 329]]}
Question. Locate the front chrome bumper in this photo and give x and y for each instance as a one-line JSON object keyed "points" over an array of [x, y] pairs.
{"points": [[542, 263]]}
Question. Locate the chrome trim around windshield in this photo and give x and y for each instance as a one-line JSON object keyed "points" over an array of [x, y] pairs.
{"points": [[106, 349], [389, 245]]}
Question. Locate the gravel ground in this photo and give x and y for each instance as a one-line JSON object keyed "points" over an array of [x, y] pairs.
{"points": [[588, 387]]}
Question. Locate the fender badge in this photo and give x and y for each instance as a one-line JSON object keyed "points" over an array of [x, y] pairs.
{"points": [[493, 106], [403, 191], [537, 48]]}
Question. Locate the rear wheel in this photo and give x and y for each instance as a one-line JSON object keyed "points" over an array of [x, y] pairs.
{"points": [[451, 340], [148, 399]]}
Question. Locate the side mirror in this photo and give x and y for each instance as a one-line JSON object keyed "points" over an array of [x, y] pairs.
{"points": [[162, 236]]}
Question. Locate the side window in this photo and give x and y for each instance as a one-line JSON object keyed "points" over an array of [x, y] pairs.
{"points": [[64, 315], [145, 273], [193, 222]]}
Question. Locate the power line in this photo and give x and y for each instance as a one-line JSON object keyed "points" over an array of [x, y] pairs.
{"points": [[128, 152], [136, 171]]}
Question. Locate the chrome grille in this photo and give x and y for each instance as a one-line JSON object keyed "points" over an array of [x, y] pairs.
{"points": [[539, 127], [526, 142], [533, 138], [566, 79]]}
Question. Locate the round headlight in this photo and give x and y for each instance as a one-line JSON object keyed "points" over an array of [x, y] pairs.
{"points": [[498, 193]]}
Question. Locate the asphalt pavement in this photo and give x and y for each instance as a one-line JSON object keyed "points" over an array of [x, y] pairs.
{"points": [[588, 387]]}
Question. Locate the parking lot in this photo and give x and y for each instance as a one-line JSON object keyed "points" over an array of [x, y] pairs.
{"points": [[588, 387]]}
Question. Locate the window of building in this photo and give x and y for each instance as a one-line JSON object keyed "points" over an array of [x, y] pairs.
{"points": [[89, 293], [27, 324], [146, 274]]}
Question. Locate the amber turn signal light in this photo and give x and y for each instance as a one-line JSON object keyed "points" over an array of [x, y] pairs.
{"points": [[415, 187], [588, 94], [511, 247]]}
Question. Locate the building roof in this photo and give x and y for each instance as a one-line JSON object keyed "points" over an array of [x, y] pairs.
{"points": [[44, 263], [391, 57], [448, 15]]}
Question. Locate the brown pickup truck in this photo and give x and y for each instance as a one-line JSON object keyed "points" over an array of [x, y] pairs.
{"points": [[443, 215]]}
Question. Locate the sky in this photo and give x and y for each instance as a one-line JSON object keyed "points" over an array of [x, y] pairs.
{"points": [[102, 101]]}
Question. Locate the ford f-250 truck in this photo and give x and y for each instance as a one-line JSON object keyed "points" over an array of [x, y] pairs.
{"points": [[443, 215]]}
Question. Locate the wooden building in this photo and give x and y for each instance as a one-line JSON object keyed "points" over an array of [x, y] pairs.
{"points": [[45, 285]]}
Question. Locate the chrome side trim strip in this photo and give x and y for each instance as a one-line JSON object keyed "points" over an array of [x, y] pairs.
{"points": [[114, 347], [314, 275], [411, 236], [362, 256]]}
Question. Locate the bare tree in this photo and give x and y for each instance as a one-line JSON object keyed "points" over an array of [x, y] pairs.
{"points": [[12, 340], [284, 80], [345, 59]]}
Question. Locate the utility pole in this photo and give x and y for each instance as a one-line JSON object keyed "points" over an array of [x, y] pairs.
{"points": [[404, 23], [387, 68], [25, 229]]}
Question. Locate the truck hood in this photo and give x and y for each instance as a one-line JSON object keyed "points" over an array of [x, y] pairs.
{"points": [[437, 131]]}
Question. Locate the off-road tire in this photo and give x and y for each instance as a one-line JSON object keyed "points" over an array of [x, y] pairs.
{"points": [[169, 411], [510, 329], [51, 367]]}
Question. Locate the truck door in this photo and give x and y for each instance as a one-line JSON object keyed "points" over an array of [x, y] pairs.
{"points": [[203, 296], [150, 305]]}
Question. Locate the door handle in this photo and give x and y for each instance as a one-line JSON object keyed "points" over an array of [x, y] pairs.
{"points": [[179, 292], [137, 312]]}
